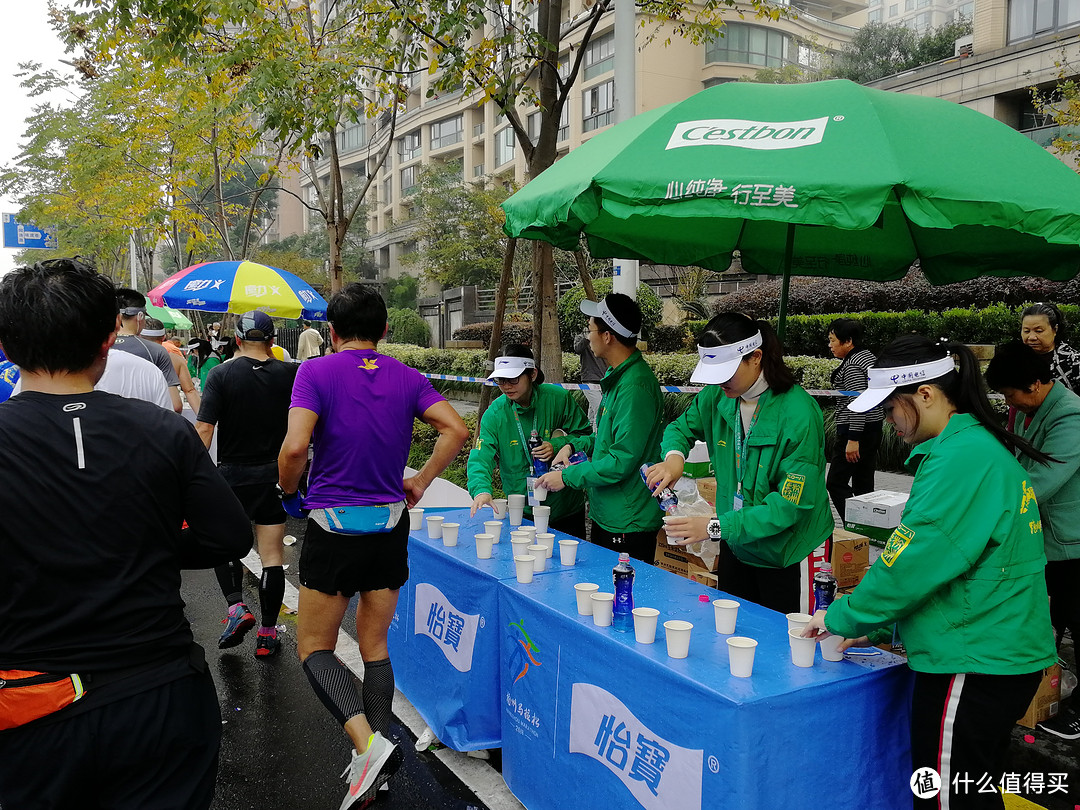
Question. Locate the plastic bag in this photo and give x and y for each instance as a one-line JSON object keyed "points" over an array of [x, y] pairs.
{"points": [[691, 504]]}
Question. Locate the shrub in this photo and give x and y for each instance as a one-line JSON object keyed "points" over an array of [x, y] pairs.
{"points": [[667, 338], [512, 332], [406, 326], [572, 321], [423, 443]]}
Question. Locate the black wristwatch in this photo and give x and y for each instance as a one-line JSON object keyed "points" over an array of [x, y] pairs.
{"points": [[282, 494], [713, 529]]}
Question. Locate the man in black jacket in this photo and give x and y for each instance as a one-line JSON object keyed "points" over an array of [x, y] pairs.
{"points": [[94, 490]]}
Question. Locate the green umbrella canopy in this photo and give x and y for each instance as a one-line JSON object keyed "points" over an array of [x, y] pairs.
{"points": [[868, 181], [171, 318]]}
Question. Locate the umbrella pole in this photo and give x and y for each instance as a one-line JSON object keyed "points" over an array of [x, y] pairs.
{"points": [[789, 248]]}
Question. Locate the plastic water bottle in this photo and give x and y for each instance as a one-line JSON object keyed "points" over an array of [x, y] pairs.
{"points": [[539, 466], [666, 497], [824, 587], [623, 576], [576, 458]]}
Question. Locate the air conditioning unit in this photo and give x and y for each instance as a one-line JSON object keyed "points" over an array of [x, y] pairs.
{"points": [[965, 46]]}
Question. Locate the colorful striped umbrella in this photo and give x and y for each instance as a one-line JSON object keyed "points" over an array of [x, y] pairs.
{"points": [[239, 287]]}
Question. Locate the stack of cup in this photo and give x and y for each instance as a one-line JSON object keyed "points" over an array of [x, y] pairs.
{"points": [[603, 606], [725, 611], [494, 528], [539, 555], [584, 591], [499, 508], [416, 517], [516, 506], [547, 540], [434, 526], [449, 534], [541, 516], [568, 551], [529, 530], [802, 649], [483, 546], [741, 656], [525, 566], [520, 542], [797, 621], [678, 637], [645, 619]]}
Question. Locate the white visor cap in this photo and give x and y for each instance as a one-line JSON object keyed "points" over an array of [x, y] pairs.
{"points": [[718, 364], [883, 381], [599, 309], [507, 368]]}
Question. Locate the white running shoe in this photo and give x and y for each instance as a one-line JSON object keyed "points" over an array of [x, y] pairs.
{"points": [[370, 770], [426, 740]]}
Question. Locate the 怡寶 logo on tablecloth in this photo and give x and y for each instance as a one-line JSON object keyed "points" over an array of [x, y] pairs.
{"points": [[453, 631], [658, 773]]}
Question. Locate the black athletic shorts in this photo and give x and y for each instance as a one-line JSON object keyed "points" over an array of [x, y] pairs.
{"points": [[261, 503], [346, 563]]}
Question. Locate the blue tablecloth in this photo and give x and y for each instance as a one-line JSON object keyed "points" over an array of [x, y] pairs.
{"points": [[444, 638], [597, 720]]}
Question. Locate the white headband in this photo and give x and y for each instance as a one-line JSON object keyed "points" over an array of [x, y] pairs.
{"points": [[153, 332]]}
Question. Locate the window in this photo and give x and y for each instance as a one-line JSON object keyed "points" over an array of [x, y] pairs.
{"points": [[1029, 18], [909, 5], [894, 9], [409, 146], [874, 16], [598, 106], [966, 10], [564, 125], [388, 190], [478, 170], [408, 180], [922, 21], [350, 138], [446, 132], [504, 146], [599, 56], [751, 45]]}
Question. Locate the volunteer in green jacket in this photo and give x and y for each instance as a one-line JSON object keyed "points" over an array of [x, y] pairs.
{"points": [[766, 441], [1051, 422], [961, 578], [527, 404], [624, 515]]}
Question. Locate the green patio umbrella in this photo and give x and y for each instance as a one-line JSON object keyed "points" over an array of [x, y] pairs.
{"points": [[171, 318], [818, 179]]}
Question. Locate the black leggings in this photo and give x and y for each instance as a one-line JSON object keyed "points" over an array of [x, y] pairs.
{"points": [[775, 588]]}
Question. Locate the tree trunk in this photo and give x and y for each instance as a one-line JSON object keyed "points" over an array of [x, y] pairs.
{"points": [[583, 271], [487, 391]]}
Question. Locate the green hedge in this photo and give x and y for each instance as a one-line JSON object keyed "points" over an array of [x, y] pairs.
{"points": [[406, 326], [572, 320]]}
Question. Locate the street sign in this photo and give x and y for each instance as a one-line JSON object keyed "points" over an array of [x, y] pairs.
{"points": [[20, 236]]}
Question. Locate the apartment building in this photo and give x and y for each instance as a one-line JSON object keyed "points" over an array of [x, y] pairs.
{"points": [[460, 129], [920, 15]]}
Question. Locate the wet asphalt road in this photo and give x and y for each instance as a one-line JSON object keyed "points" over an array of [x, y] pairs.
{"points": [[280, 747]]}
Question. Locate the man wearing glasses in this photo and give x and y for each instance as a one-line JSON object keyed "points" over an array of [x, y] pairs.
{"points": [[132, 305]]}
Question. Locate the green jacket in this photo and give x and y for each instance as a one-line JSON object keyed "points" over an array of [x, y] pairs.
{"points": [[1055, 429], [785, 513], [498, 442], [208, 364], [628, 427], [962, 576]]}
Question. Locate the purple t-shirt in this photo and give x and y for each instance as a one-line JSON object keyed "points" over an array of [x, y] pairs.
{"points": [[366, 404]]}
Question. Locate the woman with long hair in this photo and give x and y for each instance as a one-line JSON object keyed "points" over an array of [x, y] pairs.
{"points": [[961, 579], [766, 440]]}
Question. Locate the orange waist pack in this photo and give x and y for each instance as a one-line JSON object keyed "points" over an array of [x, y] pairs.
{"points": [[27, 696]]}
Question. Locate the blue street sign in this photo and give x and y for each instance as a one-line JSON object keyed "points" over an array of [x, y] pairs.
{"points": [[19, 236]]}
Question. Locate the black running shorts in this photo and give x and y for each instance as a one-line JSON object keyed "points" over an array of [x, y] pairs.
{"points": [[347, 563], [261, 503]]}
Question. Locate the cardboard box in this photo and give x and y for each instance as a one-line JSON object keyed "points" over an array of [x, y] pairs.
{"points": [[850, 557], [877, 535], [706, 488], [704, 577], [1045, 703], [679, 560], [881, 508]]}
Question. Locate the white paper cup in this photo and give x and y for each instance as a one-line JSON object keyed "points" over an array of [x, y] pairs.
{"points": [[678, 637], [520, 545], [741, 656], [645, 624], [525, 567], [483, 546], [547, 540], [528, 530], [434, 526], [416, 518], [540, 494], [494, 528], [603, 605], [449, 534], [797, 621], [289, 540], [568, 551], [516, 500], [725, 611], [541, 516], [584, 590], [498, 507], [539, 555], [517, 513], [829, 644], [802, 649]]}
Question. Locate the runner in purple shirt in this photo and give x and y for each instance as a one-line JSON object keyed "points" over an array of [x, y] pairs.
{"points": [[358, 407]]}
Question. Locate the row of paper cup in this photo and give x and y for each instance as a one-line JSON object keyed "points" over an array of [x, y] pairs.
{"points": [[532, 548], [802, 649], [516, 510]]}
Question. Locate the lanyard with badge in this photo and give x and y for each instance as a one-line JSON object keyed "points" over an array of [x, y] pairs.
{"points": [[742, 448], [530, 479]]}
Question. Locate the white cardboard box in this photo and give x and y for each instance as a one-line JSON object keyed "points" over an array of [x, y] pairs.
{"points": [[881, 508]]}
